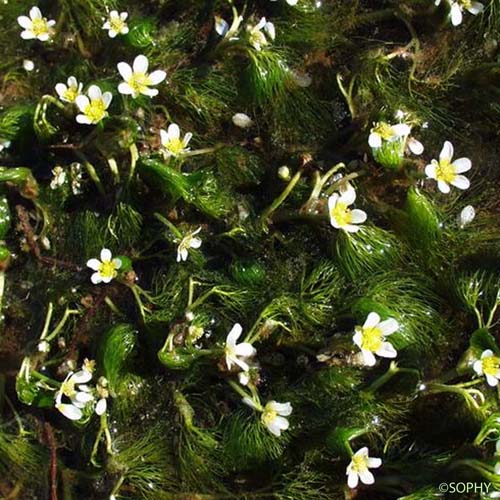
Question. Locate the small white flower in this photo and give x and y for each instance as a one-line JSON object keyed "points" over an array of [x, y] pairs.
{"points": [[221, 26], [238, 354], [137, 80], [284, 173], [171, 141], [446, 172], [189, 241], [358, 468], [74, 389], [273, 415], [341, 216], [116, 24], [371, 338], [242, 120], [257, 34], [94, 106], [43, 346], [105, 269], [28, 65], [58, 177], [69, 92], [467, 215], [457, 8], [384, 132], [36, 26], [489, 366]]}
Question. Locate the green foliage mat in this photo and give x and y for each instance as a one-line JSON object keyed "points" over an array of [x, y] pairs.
{"points": [[249, 249]]}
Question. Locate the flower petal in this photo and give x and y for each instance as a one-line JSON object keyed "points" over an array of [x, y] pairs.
{"points": [[140, 64], [447, 151], [456, 14], [82, 377], [372, 320], [368, 357], [374, 140], [476, 8], [35, 13], [106, 255], [388, 326], [125, 89], [283, 409], [416, 147], [125, 70], [462, 165], [443, 187], [70, 411], [245, 350], [28, 35], [96, 278], [430, 170], [82, 101], [174, 131], [157, 77], [101, 406], [387, 351], [24, 22], [401, 129], [366, 476], [94, 92], [374, 463], [461, 182], [358, 216], [94, 264], [352, 479]]}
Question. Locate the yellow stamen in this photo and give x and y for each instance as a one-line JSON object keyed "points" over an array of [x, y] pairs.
{"points": [[175, 146], [372, 339], [107, 269], [341, 214], [116, 24], [71, 94], [268, 416], [95, 110], [445, 171], [39, 26], [384, 130], [359, 463], [139, 82], [491, 365]]}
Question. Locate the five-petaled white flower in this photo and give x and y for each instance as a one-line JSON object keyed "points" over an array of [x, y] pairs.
{"points": [[358, 468], [94, 106], [36, 26], [137, 80], [58, 177], [273, 415], [257, 34], [237, 354], [77, 392], [370, 338], [341, 216], [189, 241], [489, 366], [69, 92], [383, 132], [446, 172], [105, 269], [116, 24], [171, 141], [457, 7]]}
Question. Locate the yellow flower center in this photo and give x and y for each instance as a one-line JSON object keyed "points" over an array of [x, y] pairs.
{"points": [[175, 146], [372, 339], [445, 171], [268, 416], [39, 26], [465, 4], [138, 82], [491, 364], [384, 130], [95, 110], [341, 214], [107, 269], [68, 388], [116, 24], [257, 38], [359, 463], [71, 94]]}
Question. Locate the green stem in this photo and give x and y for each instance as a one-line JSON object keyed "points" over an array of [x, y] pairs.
{"points": [[92, 173], [280, 199], [392, 370], [134, 156]]}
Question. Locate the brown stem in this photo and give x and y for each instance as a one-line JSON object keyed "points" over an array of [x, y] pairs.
{"points": [[51, 440]]}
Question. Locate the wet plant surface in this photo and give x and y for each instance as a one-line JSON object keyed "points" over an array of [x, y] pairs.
{"points": [[249, 249]]}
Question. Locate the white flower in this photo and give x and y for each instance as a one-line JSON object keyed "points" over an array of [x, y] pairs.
{"points": [[237, 354], [58, 177], [341, 216], [105, 269], [370, 338], [257, 34], [242, 120], [116, 24], [69, 92], [36, 26], [189, 241], [489, 366], [445, 172], [273, 415], [284, 173], [221, 26], [77, 392], [289, 2], [467, 215], [94, 106], [358, 468], [28, 65], [43, 346], [137, 80], [171, 141], [457, 7], [383, 132], [103, 393]]}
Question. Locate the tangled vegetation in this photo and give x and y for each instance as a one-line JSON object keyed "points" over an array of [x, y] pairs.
{"points": [[249, 249]]}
